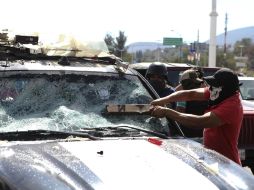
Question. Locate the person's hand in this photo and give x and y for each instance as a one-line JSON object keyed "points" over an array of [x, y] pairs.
{"points": [[157, 102], [158, 111]]}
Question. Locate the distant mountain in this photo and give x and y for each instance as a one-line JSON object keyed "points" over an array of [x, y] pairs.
{"points": [[143, 46], [232, 37], [236, 35]]}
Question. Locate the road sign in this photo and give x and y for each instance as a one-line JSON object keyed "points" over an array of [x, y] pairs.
{"points": [[172, 41]]}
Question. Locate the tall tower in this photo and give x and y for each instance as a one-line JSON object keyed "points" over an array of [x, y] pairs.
{"points": [[212, 43], [225, 35], [197, 51]]}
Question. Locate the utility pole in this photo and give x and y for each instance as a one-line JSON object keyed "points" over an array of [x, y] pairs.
{"points": [[225, 35], [212, 44], [197, 52], [241, 52], [158, 50]]}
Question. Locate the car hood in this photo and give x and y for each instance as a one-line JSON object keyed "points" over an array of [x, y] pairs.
{"points": [[118, 164], [248, 104], [248, 107]]}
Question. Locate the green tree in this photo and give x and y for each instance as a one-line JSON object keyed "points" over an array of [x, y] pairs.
{"points": [[139, 56], [250, 55], [109, 40], [245, 48], [120, 44], [241, 47], [117, 45], [227, 60]]}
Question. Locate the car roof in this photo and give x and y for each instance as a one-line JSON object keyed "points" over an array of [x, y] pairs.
{"points": [[145, 65], [245, 78], [49, 65]]}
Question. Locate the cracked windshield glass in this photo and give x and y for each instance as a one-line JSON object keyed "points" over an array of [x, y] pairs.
{"points": [[30, 102]]}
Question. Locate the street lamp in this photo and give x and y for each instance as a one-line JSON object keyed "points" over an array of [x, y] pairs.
{"points": [[241, 52], [121, 52], [180, 46], [158, 50]]}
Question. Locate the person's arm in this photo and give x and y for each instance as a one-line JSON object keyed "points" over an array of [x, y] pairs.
{"points": [[206, 120], [178, 87], [182, 95]]}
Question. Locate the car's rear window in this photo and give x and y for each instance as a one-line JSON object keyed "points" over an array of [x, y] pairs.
{"points": [[247, 88]]}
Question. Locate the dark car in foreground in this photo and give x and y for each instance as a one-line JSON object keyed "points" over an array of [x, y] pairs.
{"points": [[75, 117]]}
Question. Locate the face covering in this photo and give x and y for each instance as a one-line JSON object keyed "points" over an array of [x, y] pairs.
{"points": [[219, 94], [215, 93], [158, 85]]}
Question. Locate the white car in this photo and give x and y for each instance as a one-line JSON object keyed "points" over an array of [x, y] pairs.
{"points": [[247, 88], [246, 139]]}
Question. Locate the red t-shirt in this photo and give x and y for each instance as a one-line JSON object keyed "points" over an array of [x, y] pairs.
{"points": [[224, 138]]}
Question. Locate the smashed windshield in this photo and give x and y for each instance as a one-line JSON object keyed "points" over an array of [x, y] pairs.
{"points": [[71, 102]]}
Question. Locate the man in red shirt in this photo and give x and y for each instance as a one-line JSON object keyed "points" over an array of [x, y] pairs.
{"points": [[221, 122]]}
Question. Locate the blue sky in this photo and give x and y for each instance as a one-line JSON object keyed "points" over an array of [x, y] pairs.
{"points": [[141, 20]]}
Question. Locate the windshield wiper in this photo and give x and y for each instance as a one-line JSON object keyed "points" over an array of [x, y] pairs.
{"points": [[120, 130], [42, 134], [157, 134]]}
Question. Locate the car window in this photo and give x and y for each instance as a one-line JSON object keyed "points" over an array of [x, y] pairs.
{"points": [[247, 89], [70, 102]]}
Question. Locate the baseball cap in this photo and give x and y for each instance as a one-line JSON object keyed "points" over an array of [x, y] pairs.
{"points": [[190, 74], [224, 77]]}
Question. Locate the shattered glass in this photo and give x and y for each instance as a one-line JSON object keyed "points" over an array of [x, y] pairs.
{"points": [[71, 102]]}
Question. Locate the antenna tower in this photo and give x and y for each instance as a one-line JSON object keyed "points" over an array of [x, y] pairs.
{"points": [[225, 35]]}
